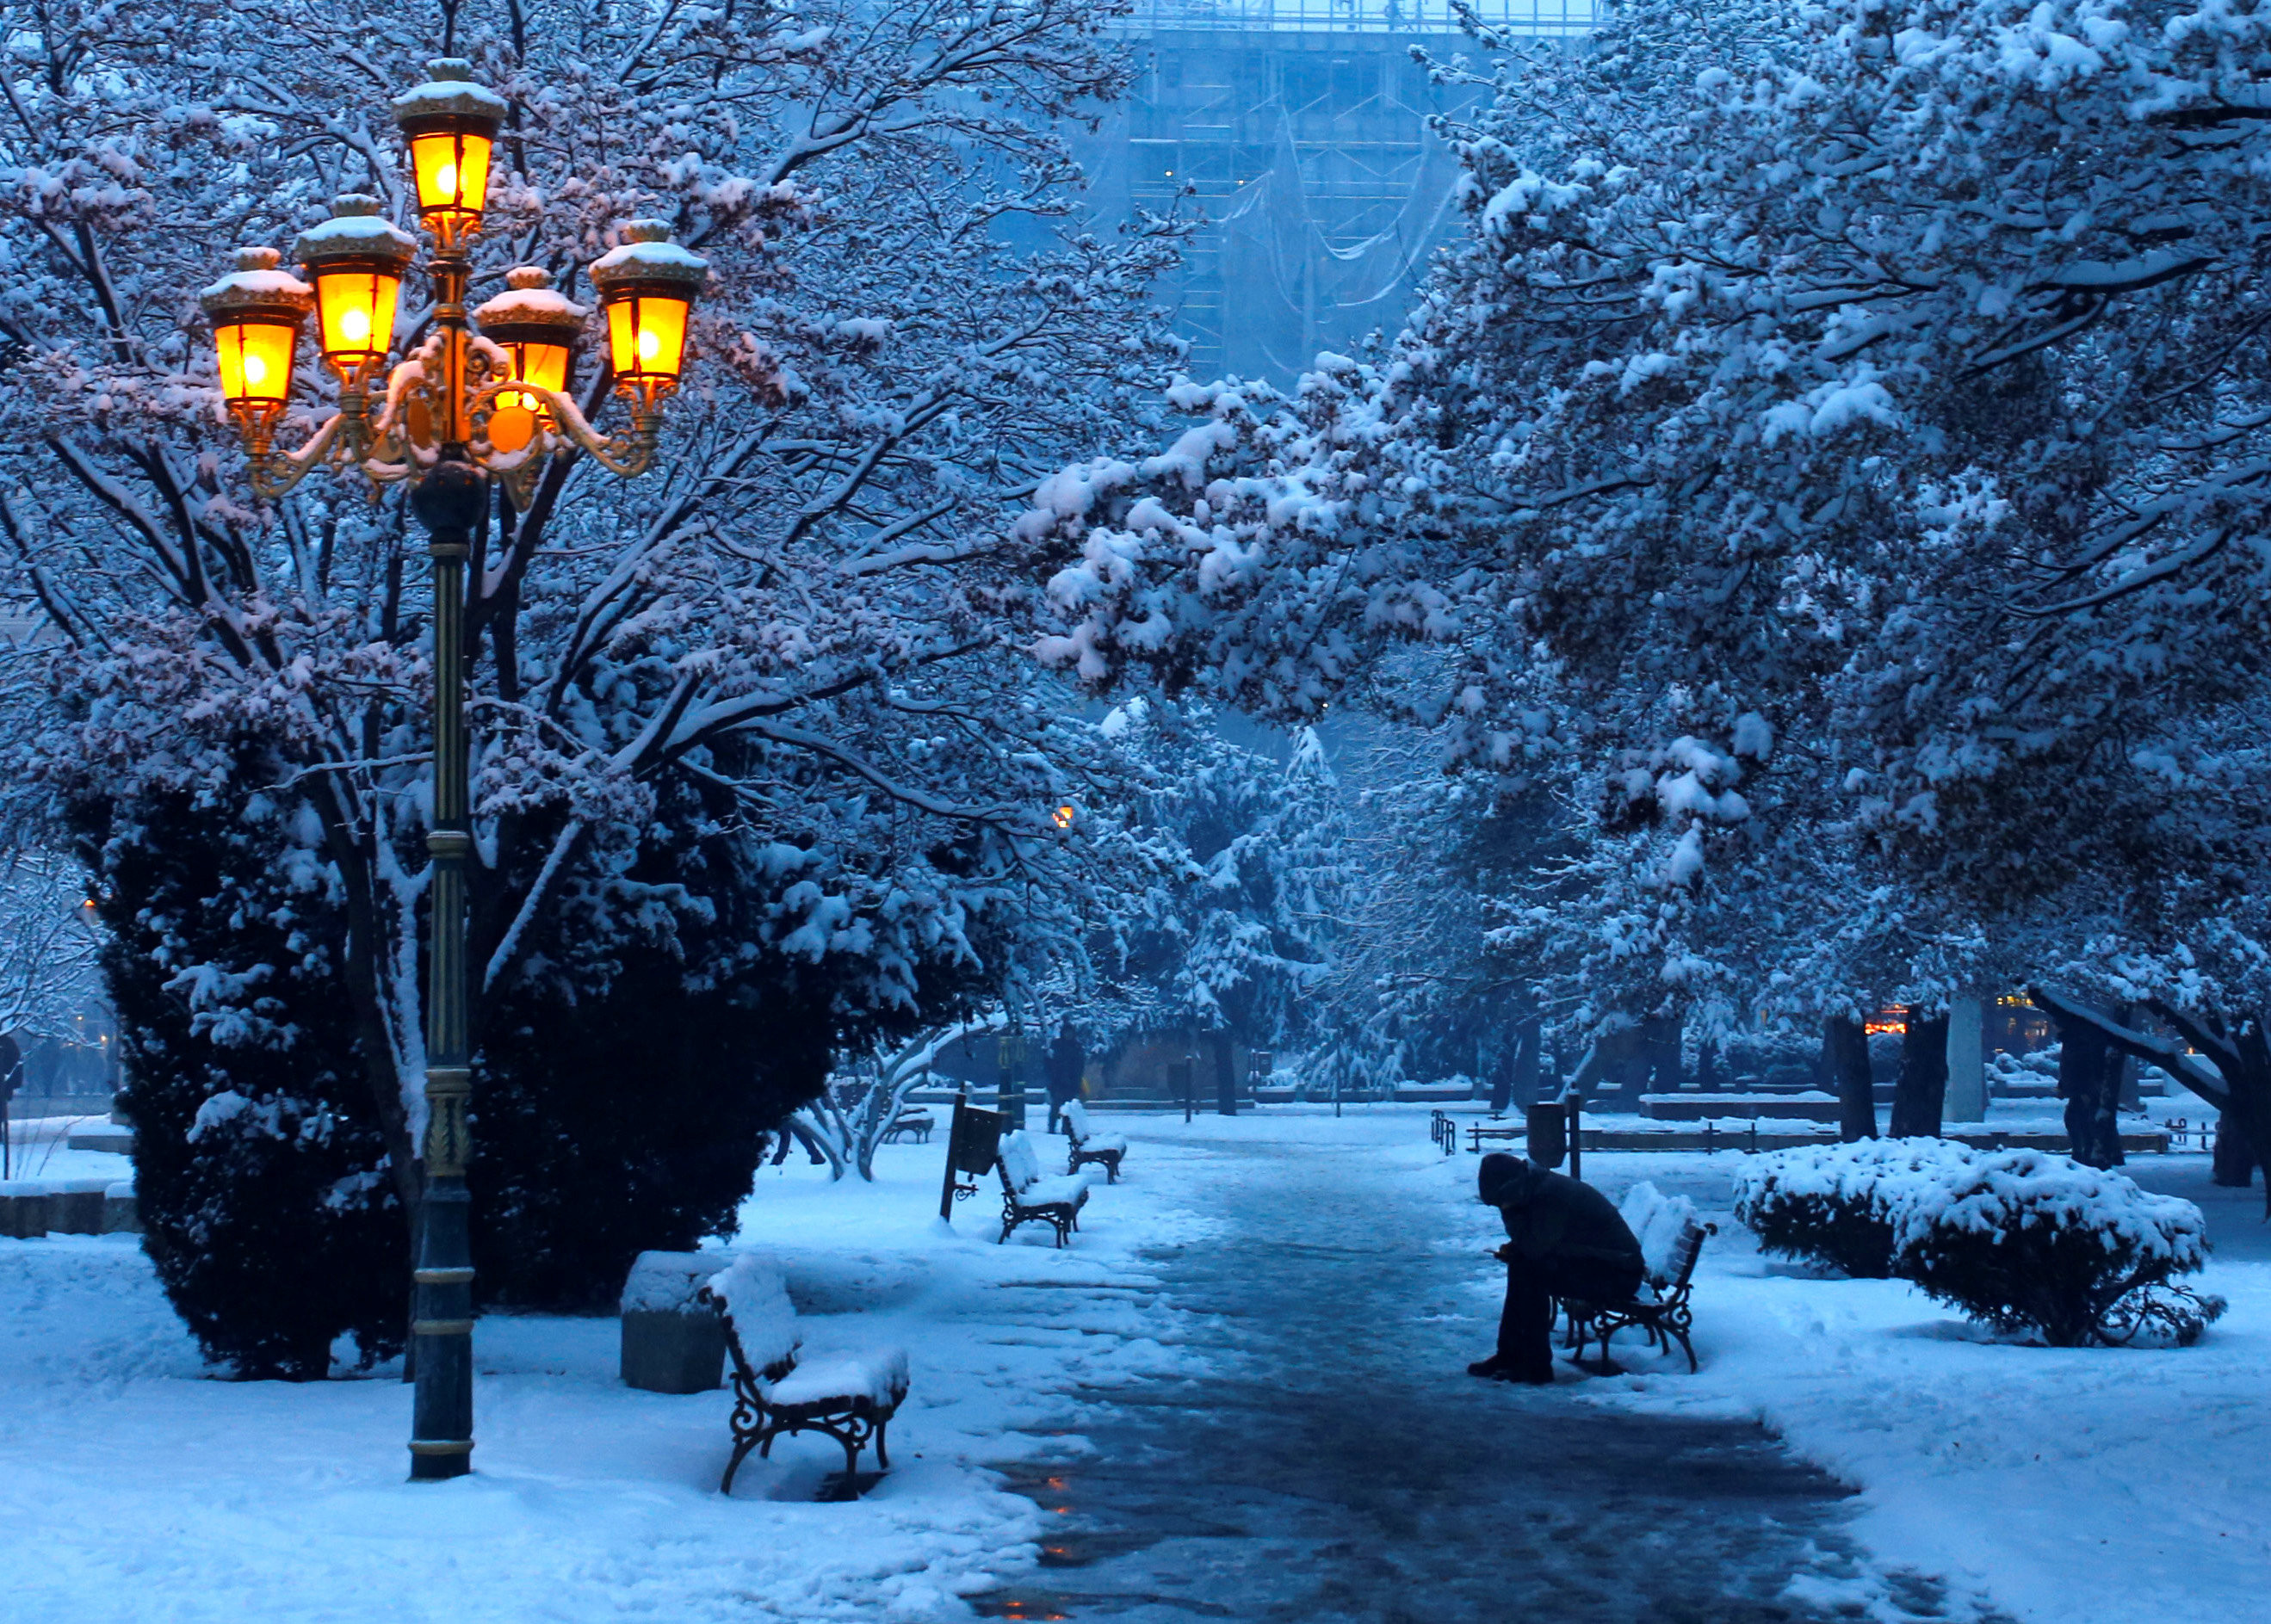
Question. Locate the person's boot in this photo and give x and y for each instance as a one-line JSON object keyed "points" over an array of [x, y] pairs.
{"points": [[1495, 1369]]}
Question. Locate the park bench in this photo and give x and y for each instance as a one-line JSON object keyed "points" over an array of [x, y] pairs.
{"points": [[915, 1124], [1105, 1150], [1477, 1134], [1671, 1239], [1027, 1198], [849, 1398]]}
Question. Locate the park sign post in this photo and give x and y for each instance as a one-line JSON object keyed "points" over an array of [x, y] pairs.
{"points": [[973, 1144]]}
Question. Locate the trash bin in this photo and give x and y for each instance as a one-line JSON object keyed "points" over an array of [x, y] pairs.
{"points": [[1548, 1124]]}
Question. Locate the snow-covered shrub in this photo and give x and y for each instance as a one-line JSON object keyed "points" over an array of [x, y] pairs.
{"points": [[1840, 1205], [2024, 1241], [1748, 1058], [258, 1163], [2006, 1071]]}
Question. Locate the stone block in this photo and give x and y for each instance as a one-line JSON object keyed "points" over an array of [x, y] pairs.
{"points": [[120, 1214], [76, 1206], [672, 1342], [22, 1213], [682, 1353]]}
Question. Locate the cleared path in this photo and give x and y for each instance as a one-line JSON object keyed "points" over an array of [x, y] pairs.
{"points": [[1342, 1466]]}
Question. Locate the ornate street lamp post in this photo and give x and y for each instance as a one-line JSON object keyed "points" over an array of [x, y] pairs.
{"points": [[463, 409]]}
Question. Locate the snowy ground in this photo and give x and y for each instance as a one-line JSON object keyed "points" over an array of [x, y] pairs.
{"points": [[133, 1487], [2076, 1486]]}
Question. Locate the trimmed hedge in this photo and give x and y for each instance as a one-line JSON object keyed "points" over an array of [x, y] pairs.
{"points": [[2016, 1239], [1836, 1205], [2021, 1240]]}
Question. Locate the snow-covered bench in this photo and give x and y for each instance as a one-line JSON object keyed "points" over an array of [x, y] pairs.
{"points": [[1670, 1240], [1088, 1146], [850, 1397], [916, 1125], [1027, 1198]]}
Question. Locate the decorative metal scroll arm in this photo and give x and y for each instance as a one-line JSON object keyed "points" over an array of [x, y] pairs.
{"points": [[274, 473], [628, 454]]}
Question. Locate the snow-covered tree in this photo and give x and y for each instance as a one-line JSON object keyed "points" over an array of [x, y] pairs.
{"points": [[756, 736], [47, 944], [1882, 376], [1234, 926]]}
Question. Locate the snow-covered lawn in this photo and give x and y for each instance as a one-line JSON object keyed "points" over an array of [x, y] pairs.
{"points": [[134, 1488], [2083, 1487]]}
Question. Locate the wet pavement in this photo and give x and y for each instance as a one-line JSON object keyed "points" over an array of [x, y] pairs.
{"points": [[1340, 1466]]}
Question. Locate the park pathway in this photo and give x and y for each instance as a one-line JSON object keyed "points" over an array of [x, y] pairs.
{"points": [[1340, 1466]]}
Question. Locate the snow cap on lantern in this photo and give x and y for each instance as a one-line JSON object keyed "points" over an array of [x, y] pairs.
{"points": [[257, 310], [647, 286], [450, 123], [535, 322], [356, 260]]}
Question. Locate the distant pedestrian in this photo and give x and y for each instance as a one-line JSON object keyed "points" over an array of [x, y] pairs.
{"points": [[1066, 1061], [1564, 1239]]}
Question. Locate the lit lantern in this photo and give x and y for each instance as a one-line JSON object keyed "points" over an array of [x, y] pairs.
{"points": [[450, 123], [356, 260], [257, 310], [537, 326], [647, 287], [1063, 817]]}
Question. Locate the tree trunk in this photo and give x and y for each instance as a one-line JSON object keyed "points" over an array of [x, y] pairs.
{"points": [[1502, 1065], [1225, 1083], [2238, 1048], [1920, 1096], [1708, 1076], [2090, 1080], [2233, 1164], [1529, 1060], [1660, 1055], [1845, 1072]]}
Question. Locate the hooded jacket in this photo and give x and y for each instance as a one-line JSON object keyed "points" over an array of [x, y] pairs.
{"points": [[1549, 1215]]}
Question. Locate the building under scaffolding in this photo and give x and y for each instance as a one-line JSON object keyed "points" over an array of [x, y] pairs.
{"points": [[1297, 128]]}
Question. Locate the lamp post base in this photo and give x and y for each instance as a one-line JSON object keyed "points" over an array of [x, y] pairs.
{"points": [[431, 1460]]}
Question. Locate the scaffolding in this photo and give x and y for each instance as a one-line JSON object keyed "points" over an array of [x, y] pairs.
{"points": [[1404, 18], [1297, 128]]}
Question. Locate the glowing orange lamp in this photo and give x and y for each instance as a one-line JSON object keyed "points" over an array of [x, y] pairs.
{"points": [[356, 260], [257, 311], [648, 287], [450, 123], [537, 326]]}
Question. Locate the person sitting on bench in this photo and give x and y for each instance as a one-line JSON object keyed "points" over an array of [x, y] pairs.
{"points": [[1564, 1239]]}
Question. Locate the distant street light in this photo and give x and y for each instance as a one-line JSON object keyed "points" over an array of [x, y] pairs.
{"points": [[464, 408]]}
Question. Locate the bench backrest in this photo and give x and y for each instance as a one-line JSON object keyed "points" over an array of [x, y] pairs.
{"points": [[1021, 1164], [1075, 1121], [1685, 1250], [759, 1316], [1659, 1223]]}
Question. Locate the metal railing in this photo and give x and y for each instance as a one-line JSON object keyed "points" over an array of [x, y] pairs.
{"points": [[1547, 17]]}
